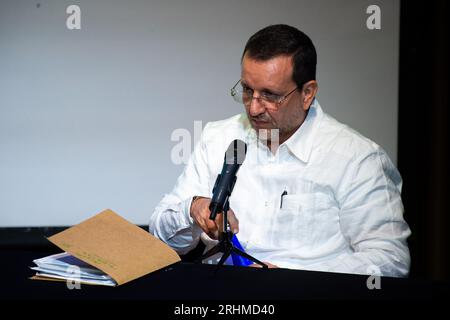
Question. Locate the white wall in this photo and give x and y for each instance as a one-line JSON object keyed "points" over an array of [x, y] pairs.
{"points": [[86, 115]]}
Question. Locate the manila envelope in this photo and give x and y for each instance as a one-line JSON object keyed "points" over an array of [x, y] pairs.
{"points": [[117, 247]]}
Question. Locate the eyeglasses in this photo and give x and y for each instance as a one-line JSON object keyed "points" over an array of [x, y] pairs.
{"points": [[242, 93]]}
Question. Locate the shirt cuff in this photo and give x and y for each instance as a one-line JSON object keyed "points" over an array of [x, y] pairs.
{"points": [[187, 211]]}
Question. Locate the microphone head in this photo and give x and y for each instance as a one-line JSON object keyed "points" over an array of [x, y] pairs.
{"points": [[236, 152]]}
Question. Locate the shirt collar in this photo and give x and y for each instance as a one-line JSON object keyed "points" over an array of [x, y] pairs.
{"points": [[301, 142]]}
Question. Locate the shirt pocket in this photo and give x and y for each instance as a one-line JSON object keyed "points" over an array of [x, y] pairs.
{"points": [[305, 221]]}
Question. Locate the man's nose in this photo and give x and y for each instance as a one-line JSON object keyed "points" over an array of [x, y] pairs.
{"points": [[256, 106]]}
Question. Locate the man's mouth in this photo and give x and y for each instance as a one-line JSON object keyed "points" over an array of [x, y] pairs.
{"points": [[258, 123]]}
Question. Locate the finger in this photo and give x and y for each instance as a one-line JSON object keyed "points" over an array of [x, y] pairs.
{"points": [[211, 228], [201, 223], [269, 265], [219, 222], [255, 265], [207, 225], [233, 221]]}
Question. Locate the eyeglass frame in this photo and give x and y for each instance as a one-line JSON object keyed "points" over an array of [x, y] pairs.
{"points": [[277, 103]]}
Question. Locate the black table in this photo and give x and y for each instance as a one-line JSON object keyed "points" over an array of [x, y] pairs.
{"points": [[187, 281]]}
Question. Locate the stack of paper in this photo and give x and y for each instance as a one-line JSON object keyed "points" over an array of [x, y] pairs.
{"points": [[64, 266], [105, 249]]}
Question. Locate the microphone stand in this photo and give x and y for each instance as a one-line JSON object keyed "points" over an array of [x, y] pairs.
{"points": [[226, 246]]}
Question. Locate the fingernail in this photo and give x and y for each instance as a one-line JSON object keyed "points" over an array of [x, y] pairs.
{"points": [[235, 230]]}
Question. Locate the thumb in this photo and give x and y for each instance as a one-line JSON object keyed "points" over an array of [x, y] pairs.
{"points": [[233, 221]]}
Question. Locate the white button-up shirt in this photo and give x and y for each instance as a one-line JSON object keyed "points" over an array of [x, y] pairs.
{"points": [[342, 211]]}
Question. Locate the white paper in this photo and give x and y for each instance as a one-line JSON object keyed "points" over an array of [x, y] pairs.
{"points": [[67, 267]]}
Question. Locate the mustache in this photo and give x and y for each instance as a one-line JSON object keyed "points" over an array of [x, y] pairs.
{"points": [[260, 118]]}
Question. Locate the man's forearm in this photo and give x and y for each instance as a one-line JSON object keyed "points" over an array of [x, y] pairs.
{"points": [[380, 262], [172, 224]]}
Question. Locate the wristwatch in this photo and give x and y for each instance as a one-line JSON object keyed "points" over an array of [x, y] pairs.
{"points": [[195, 198]]}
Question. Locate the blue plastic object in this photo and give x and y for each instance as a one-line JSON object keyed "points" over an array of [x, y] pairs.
{"points": [[237, 259]]}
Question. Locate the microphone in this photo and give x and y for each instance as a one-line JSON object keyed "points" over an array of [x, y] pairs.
{"points": [[234, 157]]}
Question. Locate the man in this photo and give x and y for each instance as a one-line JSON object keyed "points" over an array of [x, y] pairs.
{"points": [[312, 193]]}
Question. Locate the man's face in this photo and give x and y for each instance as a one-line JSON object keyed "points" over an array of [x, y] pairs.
{"points": [[273, 76]]}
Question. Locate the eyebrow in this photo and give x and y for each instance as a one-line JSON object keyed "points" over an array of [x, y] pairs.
{"points": [[263, 89]]}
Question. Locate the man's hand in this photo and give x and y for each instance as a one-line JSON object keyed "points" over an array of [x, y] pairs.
{"points": [[271, 266], [200, 213]]}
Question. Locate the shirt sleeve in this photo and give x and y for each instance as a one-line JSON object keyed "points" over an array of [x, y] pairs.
{"points": [[171, 221], [371, 219]]}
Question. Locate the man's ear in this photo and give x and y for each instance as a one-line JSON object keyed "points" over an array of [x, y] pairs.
{"points": [[309, 91]]}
